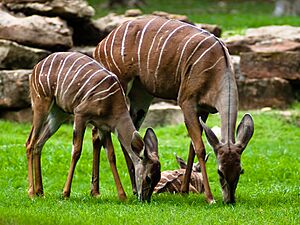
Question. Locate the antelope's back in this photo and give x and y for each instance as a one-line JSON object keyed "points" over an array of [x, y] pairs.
{"points": [[71, 79], [159, 50]]}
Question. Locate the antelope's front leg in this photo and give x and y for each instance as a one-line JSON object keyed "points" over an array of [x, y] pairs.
{"points": [[194, 129], [112, 162], [78, 133]]}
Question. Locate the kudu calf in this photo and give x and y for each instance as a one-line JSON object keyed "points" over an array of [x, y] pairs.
{"points": [[71, 83], [171, 180], [173, 60]]}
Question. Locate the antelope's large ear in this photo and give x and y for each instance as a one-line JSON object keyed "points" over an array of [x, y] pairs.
{"points": [[181, 162], [137, 144], [151, 144], [211, 137], [245, 131]]}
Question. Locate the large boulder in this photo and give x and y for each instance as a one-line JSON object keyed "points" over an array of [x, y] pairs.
{"points": [[19, 115], [265, 92], [15, 56], [162, 114], [14, 89], [41, 32], [75, 9], [271, 64], [266, 39]]}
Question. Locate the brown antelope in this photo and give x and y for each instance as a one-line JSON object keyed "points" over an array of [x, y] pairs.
{"points": [[173, 60], [71, 83], [171, 180]]}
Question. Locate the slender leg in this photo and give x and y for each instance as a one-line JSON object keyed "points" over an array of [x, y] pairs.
{"points": [[112, 162], [40, 111], [187, 175], [97, 144], [53, 122], [78, 133], [194, 129]]}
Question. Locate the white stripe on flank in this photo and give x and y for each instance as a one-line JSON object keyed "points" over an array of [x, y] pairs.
{"points": [[106, 90], [141, 41], [202, 56], [105, 52], [49, 72], [33, 83], [152, 44], [41, 74], [67, 74], [99, 99], [85, 83], [209, 68], [59, 73], [123, 41], [93, 88], [182, 52], [199, 44], [164, 45], [75, 77], [111, 49]]}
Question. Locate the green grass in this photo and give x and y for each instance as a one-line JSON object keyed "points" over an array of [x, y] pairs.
{"points": [[268, 192], [233, 17]]}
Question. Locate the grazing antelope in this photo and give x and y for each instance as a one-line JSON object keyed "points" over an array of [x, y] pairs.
{"points": [[171, 180], [71, 83], [173, 60]]}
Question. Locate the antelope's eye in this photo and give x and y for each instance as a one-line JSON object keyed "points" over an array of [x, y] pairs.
{"points": [[148, 180], [220, 174], [242, 171]]}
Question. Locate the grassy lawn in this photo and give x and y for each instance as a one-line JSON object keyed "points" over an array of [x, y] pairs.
{"points": [[268, 192], [232, 16]]}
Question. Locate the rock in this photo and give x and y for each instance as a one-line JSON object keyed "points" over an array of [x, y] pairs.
{"points": [[266, 39], [41, 32], [20, 116], [271, 64], [15, 56], [14, 89], [162, 114], [264, 92], [87, 50], [166, 15], [214, 29], [75, 9], [111, 21], [133, 13]]}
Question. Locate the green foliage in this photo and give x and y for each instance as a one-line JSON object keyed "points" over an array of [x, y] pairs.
{"points": [[233, 16], [268, 192]]}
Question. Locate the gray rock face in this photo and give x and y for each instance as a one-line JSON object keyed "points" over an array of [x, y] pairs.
{"points": [[41, 32], [14, 89], [15, 56]]}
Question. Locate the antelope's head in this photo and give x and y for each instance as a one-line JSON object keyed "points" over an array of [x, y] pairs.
{"points": [[147, 171], [196, 166], [229, 156]]}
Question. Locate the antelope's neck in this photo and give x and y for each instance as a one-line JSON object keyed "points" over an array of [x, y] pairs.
{"points": [[227, 106], [125, 130]]}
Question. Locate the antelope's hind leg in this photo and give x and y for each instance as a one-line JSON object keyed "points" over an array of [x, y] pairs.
{"points": [[54, 120], [40, 112]]}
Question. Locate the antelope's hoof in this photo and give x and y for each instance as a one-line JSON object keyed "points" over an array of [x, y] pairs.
{"points": [[211, 201], [95, 194], [123, 197], [31, 193], [66, 194]]}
